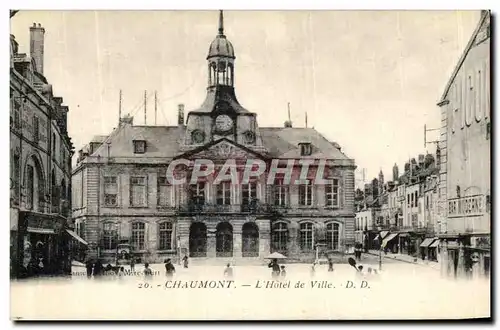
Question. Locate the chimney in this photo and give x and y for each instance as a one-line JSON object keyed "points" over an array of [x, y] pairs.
{"points": [[127, 120], [37, 33], [180, 115], [421, 159]]}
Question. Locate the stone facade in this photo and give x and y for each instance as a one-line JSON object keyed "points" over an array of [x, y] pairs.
{"points": [[40, 165], [121, 191], [465, 160]]}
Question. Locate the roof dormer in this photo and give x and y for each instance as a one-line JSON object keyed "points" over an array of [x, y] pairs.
{"points": [[139, 146], [305, 148]]}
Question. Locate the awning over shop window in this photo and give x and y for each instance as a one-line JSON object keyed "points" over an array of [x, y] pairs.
{"points": [[427, 242], [78, 238], [383, 234], [435, 244], [389, 238], [40, 230]]}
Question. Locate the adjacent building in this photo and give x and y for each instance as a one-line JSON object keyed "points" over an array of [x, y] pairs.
{"points": [[400, 216], [121, 191], [40, 166], [465, 171]]}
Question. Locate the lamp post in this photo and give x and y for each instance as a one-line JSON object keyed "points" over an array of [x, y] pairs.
{"points": [[380, 257]]}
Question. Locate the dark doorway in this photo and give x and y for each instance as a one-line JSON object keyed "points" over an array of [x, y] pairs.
{"points": [[250, 236], [198, 240], [224, 236]]}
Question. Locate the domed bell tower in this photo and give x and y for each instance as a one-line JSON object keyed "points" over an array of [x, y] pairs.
{"points": [[221, 116], [221, 59]]}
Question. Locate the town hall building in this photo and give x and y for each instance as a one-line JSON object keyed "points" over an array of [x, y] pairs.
{"points": [[121, 191]]}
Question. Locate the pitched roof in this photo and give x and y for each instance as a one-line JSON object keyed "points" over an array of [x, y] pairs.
{"points": [[162, 141], [485, 15], [166, 142], [99, 138], [284, 143], [222, 94]]}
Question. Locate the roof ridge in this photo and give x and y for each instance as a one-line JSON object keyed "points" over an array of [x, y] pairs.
{"points": [[463, 56]]}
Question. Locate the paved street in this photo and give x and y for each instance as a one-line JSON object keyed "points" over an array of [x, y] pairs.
{"points": [[401, 290]]}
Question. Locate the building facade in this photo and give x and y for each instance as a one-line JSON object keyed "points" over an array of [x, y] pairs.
{"points": [[465, 172], [40, 167], [122, 190], [402, 216]]}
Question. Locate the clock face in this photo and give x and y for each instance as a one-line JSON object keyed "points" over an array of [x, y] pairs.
{"points": [[223, 123]]}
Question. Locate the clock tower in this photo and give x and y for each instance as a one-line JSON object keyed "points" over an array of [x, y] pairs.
{"points": [[221, 116]]}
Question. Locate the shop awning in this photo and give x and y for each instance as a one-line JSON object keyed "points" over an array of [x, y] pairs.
{"points": [[383, 234], [75, 236], [427, 242], [389, 238], [40, 230], [435, 244]]}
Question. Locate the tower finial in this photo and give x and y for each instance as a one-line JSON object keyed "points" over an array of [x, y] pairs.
{"points": [[221, 22]]}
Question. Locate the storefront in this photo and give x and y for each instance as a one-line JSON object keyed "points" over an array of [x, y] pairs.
{"points": [[39, 246], [78, 246], [378, 240], [434, 250], [425, 248], [466, 255], [404, 243], [390, 243]]}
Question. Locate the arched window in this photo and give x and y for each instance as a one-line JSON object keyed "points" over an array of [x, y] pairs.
{"points": [[165, 233], [83, 232], [54, 146], [35, 185], [63, 189], [333, 236], [138, 235], [306, 236], [110, 236], [279, 237], [55, 191], [224, 240], [15, 175]]}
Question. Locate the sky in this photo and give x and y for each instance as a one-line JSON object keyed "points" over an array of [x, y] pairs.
{"points": [[368, 80]]}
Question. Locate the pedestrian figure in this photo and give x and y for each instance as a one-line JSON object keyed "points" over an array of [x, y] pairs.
{"points": [[228, 271], [148, 273], [41, 265], [121, 273], [98, 268], [275, 268], [283, 272], [132, 264], [330, 265], [185, 260], [359, 273], [313, 269], [169, 268], [356, 251], [89, 266]]}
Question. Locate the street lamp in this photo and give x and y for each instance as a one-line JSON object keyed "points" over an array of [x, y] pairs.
{"points": [[380, 257]]}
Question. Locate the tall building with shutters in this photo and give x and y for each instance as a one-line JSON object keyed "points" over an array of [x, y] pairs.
{"points": [[121, 191]]}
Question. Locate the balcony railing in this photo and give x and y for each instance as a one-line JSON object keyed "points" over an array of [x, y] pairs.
{"points": [[253, 207]]}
